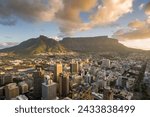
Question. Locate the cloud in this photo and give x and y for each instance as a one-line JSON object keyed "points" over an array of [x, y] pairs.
{"points": [[8, 21], [29, 10], [72, 9], [143, 33], [141, 6], [144, 44], [7, 44], [104, 13], [68, 17], [148, 20], [110, 11], [136, 24], [66, 13], [147, 8], [137, 30]]}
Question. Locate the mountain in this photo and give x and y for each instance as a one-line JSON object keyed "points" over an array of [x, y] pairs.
{"points": [[38, 45], [44, 44], [95, 44]]}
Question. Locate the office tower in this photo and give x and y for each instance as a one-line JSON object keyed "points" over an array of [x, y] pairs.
{"points": [[101, 84], [105, 63], [59, 86], [57, 71], [11, 91], [108, 94], [38, 76], [124, 81], [74, 68], [23, 87], [63, 85], [49, 89], [88, 78], [8, 79], [2, 81], [5, 79], [119, 81], [29, 82], [2, 91]]}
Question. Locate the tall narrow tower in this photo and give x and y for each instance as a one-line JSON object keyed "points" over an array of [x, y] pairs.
{"points": [[74, 68], [63, 85], [38, 76], [57, 71]]}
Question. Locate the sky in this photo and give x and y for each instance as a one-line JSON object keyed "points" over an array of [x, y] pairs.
{"points": [[125, 20]]}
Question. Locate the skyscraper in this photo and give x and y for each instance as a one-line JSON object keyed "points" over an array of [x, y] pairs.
{"points": [[74, 68], [8, 78], [63, 85], [23, 87], [11, 91], [105, 63], [2, 81], [2, 91], [57, 71], [49, 89], [108, 94], [38, 76], [5, 79]]}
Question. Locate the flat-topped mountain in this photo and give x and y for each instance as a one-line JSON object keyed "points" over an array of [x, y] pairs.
{"points": [[95, 44], [44, 44]]}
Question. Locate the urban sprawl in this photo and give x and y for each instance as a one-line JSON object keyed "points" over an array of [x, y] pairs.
{"points": [[75, 77]]}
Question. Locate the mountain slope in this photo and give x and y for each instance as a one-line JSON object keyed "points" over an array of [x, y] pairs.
{"points": [[44, 44], [41, 44], [95, 44]]}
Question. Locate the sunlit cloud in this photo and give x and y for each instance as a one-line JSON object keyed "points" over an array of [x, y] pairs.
{"points": [[137, 34], [65, 13], [138, 44], [147, 8], [137, 24]]}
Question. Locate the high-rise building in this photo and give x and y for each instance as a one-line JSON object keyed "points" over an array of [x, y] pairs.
{"points": [[11, 91], [5, 79], [119, 81], [23, 87], [49, 90], [8, 79], [57, 71], [63, 85], [38, 76], [108, 94], [2, 91], [88, 78], [2, 81], [74, 68], [105, 63]]}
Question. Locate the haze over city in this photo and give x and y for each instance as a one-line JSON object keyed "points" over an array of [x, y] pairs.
{"points": [[125, 20]]}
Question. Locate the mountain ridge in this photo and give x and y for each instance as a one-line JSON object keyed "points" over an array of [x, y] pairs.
{"points": [[43, 44]]}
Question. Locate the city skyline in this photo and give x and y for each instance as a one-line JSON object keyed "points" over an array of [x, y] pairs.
{"points": [[125, 20]]}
